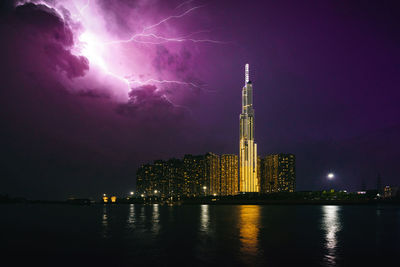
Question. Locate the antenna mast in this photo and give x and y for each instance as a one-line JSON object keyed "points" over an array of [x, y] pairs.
{"points": [[246, 73]]}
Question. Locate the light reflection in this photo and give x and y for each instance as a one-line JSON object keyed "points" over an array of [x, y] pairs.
{"points": [[131, 216], [331, 225], [249, 225], [104, 222], [156, 219], [204, 218]]}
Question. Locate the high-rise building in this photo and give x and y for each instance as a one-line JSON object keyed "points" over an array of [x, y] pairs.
{"points": [[278, 173], [213, 175], [263, 175], [194, 175], [247, 147], [229, 175], [162, 178], [173, 173]]}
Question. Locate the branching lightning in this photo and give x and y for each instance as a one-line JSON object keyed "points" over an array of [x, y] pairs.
{"points": [[89, 44], [171, 17], [157, 39], [184, 3], [162, 39], [137, 37]]}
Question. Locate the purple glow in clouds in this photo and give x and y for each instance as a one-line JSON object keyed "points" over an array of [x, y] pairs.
{"points": [[125, 53]]}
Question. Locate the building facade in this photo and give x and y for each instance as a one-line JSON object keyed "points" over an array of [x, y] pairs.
{"points": [[278, 173], [247, 147], [213, 174], [229, 175], [193, 176]]}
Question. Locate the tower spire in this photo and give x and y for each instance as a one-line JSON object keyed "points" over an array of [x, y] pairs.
{"points": [[246, 74]]}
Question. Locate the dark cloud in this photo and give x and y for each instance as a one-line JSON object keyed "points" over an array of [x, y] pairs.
{"points": [[93, 94], [57, 141], [166, 60], [148, 104], [39, 41]]}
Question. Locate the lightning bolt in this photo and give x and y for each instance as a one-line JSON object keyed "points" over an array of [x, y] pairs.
{"points": [[162, 39], [176, 105], [138, 38], [171, 17], [184, 3]]}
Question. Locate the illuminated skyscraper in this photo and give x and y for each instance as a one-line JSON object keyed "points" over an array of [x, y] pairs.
{"points": [[229, 175], [247, 147]]}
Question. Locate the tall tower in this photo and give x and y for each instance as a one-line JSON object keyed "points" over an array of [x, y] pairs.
{"points": [[247, 146]]}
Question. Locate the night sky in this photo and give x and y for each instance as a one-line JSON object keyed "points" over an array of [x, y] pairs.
{"points": [[92, 89]]}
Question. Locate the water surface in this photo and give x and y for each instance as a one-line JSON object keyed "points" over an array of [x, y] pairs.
{"points": [[252, 235]]}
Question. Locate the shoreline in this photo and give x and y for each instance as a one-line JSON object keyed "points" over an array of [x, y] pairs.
{"points": [[224, 202]]}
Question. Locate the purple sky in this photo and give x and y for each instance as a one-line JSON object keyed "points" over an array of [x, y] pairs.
{"points": [[91, 89]]}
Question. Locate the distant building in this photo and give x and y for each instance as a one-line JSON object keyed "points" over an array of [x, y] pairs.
{"points": [[194, 175], [164, 177], [175, 183], [390, 191], [213, 174], [278, 173], [229, 175], [262, 175]]}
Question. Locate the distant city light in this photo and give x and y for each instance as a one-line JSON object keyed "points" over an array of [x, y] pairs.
{"points": [[331, 175], [204, 187], [155, 191], [104, 195], [131, 193], [215, 195], [142, 195]]}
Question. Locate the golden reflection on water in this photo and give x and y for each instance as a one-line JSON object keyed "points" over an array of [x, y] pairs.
{"points": [[249, 225], [331, 225]]}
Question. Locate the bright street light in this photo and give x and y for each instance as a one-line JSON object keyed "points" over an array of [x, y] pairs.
{"points": [[330, 176]]}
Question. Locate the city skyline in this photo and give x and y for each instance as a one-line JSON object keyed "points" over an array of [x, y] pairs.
{"points": [[198, 176], [130, 136], [105, 87]]}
